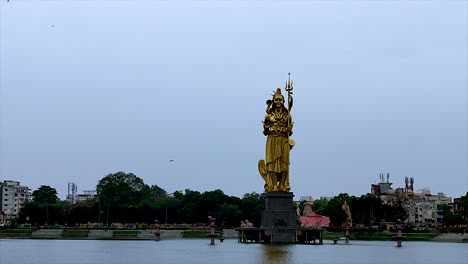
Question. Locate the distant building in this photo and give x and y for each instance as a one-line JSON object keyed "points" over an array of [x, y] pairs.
{"points": [[71, 195], [384, 190], [74, 197], [383, 187], [423, 208], [13, 196], [306, 198], [87, 195], [409, 190]]}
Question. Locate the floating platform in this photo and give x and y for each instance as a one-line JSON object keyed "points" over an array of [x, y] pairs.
{"points": [[268, 235]]}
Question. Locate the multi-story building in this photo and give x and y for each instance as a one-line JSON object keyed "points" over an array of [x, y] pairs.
{"points": [[423, 208], [87, 195], [13, 196], [74, 197]]}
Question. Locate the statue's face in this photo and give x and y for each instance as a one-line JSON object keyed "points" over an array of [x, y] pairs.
{"points": [[278, 101]]}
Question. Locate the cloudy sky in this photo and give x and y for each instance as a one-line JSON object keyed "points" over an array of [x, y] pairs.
{"points": [[90, 88]]}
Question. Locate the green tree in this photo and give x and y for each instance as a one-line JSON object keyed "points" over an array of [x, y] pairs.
{"points": [[158, 192], [211, 201], [334, 209], [230, 214], [44, 207], [449, 218], [44, 213], [82, 213], [190, 210], [365, 209], [121, 195], [320, 205], [122, 189], [45, 194], [251, 206]]}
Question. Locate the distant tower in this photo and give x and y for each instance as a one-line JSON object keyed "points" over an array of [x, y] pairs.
{"points": [[383, 187], [71, 196], [411, 188]]}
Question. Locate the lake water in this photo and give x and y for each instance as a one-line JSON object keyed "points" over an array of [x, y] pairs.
{"points": [[25, 251]]}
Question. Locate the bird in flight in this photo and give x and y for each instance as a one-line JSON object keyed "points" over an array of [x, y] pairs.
{"points": [[171, 160]]}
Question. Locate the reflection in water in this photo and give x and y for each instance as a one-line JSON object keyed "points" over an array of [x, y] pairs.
{"points": [[273, 254]]}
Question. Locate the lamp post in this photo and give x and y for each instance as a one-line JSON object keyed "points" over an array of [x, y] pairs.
{"points": [[166, 196], [47, 215], [99, 214], [107, 221]]}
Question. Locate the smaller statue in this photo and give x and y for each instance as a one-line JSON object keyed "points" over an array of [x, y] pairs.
{"points": [[242, 224], [349, 220], [248, 224], [307, 209]]}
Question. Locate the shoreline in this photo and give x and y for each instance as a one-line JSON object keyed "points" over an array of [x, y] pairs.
{"points": [[126, 234]]}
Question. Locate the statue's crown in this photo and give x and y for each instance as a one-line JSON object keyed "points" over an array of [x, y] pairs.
{"points": [[277, 93]]}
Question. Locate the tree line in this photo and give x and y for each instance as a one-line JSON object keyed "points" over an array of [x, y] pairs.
{"points": [[125, 198]]}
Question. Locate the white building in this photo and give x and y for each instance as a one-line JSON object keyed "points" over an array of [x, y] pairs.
{"points": [[425, 209], [87, 195], [13, 197]]}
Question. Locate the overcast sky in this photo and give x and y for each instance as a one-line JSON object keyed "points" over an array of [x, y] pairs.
{"points": [[90, 88]]}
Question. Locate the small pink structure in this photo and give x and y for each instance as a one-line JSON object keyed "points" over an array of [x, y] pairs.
{"points": [[399, 237], [212, 234], [157, 232], [314, 220]]}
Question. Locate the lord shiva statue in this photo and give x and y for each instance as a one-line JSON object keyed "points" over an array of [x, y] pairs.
{"points": [[277, 126]]}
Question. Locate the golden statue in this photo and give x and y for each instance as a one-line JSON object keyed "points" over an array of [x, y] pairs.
{"points": [[277, 126]]}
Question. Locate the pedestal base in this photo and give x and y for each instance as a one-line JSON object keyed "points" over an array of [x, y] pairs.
{"points": [[279, 217]]}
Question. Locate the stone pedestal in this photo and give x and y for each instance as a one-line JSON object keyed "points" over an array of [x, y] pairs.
{"points": [[279, 217]]}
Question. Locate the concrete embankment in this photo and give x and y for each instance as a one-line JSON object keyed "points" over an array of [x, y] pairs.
{"points": [[47, 233], [149, 234], [100, 234], [452, 237]]}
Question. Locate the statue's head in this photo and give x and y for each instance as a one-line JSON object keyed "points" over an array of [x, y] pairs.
{"points": [[278, 98]]}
